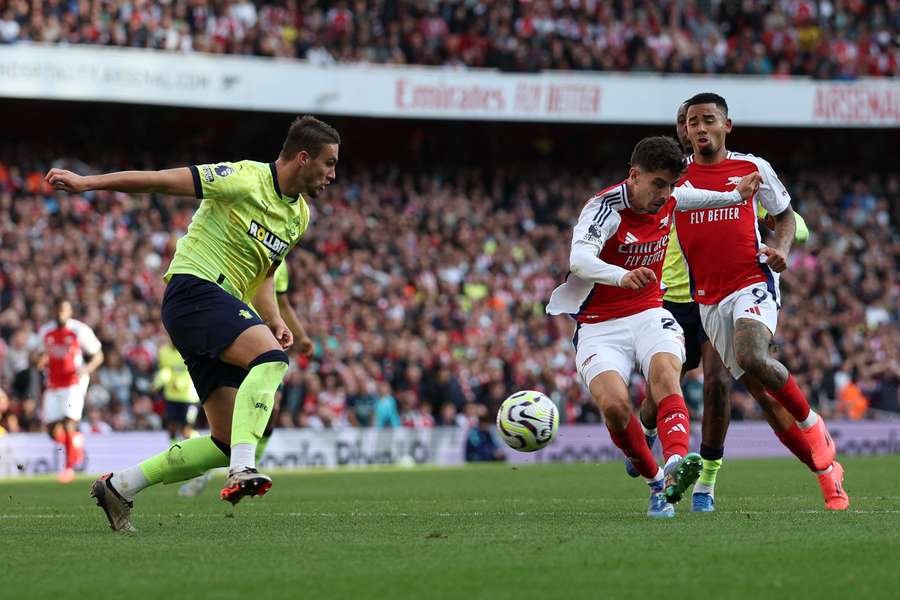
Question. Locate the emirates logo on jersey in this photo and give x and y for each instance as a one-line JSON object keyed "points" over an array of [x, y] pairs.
{"points": [[642, 254]]}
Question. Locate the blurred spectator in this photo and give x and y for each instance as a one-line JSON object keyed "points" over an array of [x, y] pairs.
{"points": [[386, 413], [482, 444], [842, 40]]}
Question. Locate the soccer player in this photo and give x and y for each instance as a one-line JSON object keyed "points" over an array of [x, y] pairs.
{"points": [[62, 345], [178, 391], [716, 379], [613, 292], [251, 214], [302, 344], [734, 278]]}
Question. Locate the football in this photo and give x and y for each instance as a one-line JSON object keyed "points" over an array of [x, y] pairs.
{"points": [[527, 421]]}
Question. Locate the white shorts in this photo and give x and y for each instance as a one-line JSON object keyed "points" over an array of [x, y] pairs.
{"points": [[67, 402], [617, 344], [759, 302]]}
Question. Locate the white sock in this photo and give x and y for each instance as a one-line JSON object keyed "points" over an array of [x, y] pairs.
{"points": [[704, 488], [645, 430], [828, 470], [673, 459], [242, 457], [809, 421], [658, 477], [129, 482]]}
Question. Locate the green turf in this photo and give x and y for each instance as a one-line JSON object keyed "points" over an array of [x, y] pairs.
{"points": [[560, 531]]}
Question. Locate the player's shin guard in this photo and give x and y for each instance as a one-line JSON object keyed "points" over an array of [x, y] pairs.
{"points": [[674, 426], [184, 460], [253, 406], [796, 442], [634, 445]]}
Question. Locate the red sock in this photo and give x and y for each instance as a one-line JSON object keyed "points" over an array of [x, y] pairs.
{"points": [[60, 436], [796, 442], [632, 443], [674, 426], [791, 398], [78, 447], [70, 450]]}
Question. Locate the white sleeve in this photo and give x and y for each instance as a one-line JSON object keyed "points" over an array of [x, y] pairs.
{"points": [[772, 194], [689, 198], [597, 223], [36, 342], [87, 340]]}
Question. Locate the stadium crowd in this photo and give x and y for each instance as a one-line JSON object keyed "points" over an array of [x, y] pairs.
{"points": [[424, 294], [826, 39]]}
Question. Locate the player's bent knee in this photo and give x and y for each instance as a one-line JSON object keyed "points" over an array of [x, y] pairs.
{"points": [[750, 362], [272, 356]]}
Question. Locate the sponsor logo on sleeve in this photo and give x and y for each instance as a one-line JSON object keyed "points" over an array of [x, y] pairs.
{"points": [[595, 233], [224, 170], [207, 173]]}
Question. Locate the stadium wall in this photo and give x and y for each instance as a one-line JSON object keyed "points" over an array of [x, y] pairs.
{"points": [[34, 71], [35, 454]]}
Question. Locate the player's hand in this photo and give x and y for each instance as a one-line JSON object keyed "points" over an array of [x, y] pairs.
{"points": [[282, 333], [305, 346], [748, 185], [638, 278], [67, 181], [776, 259]]}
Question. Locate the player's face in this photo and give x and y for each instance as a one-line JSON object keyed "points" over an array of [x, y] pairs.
{"points": [[707, 127], [63, 312], [319, 172], [651, 189], [681, 128]]}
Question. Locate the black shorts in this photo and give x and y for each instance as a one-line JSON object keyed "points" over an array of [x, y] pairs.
{"points": [[688, 316], [203, 320], [181, 413]]}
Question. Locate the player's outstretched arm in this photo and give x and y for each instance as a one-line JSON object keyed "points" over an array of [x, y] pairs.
{"points": [[175, 182], [687, 198]]}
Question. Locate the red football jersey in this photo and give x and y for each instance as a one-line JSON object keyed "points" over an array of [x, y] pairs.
{"points": [[721, 245], [64, 347], [630, 240]]}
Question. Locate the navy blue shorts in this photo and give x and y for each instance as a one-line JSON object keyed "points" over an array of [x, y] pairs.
{"points": [[688, 316], [181, 413], [203, 320]]}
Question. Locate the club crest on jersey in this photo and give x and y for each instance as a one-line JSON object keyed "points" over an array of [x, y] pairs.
{"points": [[733, 180], [664, 222], [274, 244], [224, 170]]}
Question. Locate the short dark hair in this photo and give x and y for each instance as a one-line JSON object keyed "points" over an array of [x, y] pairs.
{"points": [[310, 134], [658, 153], [708, 98]]}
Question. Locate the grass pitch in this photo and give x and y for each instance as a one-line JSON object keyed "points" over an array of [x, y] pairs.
{"points": [[554, 531]]}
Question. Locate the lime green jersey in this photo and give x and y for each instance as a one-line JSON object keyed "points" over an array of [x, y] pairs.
{"points": [[281, 278], [173, 377], [243, 226], [675, 275]]}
